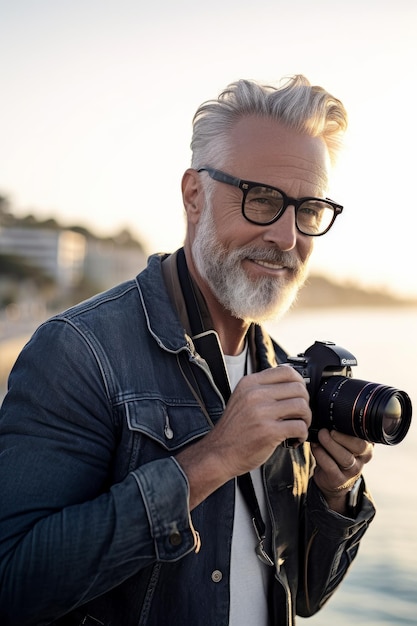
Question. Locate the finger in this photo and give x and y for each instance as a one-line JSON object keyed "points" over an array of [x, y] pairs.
{"points": [[350, 460], [350, 466], [328, 473], [344, 458], [358, 447], [273, 387], [280, 404], [280, 373], [295, 430]]}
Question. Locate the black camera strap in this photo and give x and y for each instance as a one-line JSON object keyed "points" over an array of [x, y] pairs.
{"points": [[248, 492], [197, 312]]}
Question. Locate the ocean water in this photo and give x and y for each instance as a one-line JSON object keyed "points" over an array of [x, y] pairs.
{"points": [[380, 589]]}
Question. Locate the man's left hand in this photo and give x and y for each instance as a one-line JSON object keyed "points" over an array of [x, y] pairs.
{"points": [[340, 459]]}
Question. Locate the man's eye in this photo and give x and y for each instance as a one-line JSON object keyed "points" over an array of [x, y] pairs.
{"points": [[310, 211], [263, 200]]}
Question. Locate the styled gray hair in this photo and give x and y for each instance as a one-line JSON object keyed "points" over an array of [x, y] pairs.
{"points": [[297, 104]]}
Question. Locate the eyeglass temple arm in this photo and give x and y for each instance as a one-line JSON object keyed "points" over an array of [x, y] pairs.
{"points": [[221, 177], [338, 207]]}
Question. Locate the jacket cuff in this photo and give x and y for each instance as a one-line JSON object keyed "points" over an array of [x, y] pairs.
{"points": [[335, 523], [165, 492]]}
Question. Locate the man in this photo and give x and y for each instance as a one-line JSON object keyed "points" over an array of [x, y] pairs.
{"points": [[143, 473]]}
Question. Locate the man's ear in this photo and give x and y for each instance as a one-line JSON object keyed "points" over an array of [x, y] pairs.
{"points": [[192, 195]]}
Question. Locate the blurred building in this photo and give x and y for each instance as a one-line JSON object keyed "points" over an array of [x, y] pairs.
{"points": [[108, 263], [69, 257], [60, 254]]}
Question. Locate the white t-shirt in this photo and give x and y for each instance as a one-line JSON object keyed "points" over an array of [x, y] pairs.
{"points": [[248, 575]]}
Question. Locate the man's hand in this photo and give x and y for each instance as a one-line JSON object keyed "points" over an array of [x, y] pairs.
{"points": [[340, 459], [265, 409]]}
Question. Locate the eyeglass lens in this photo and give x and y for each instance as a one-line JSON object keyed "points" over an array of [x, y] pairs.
{"points": [[263, 204]]}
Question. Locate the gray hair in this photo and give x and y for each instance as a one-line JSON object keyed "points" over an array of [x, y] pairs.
{"points": [[297, 104]]}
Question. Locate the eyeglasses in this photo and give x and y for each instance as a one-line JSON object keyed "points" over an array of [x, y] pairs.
{"points": [[264, 205]]}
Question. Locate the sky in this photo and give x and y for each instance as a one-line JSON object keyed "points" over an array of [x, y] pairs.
{"points": [[97, 99]]}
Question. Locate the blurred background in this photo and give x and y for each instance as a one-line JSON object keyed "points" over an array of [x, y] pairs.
{"points": [[96, 105]]}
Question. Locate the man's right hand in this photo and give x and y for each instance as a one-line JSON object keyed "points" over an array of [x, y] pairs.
{"points": [[265, 409]]}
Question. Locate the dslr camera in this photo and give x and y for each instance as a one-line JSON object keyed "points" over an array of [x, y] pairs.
{"points": [[367, 410]]}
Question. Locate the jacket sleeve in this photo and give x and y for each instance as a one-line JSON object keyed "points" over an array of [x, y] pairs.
{"points": [[66, 534], [331, 542]]}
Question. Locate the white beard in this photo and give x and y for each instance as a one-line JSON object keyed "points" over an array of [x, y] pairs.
{"points": [[247, 299]]}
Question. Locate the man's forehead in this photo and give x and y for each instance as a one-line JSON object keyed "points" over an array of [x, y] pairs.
{"points": [[265, 150], [290, 167]]}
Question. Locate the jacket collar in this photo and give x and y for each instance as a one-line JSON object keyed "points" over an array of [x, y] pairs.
{"points": [[163, 320]]}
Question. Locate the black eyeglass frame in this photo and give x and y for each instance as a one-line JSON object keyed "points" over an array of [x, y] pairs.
{"points": [[246, 185]]}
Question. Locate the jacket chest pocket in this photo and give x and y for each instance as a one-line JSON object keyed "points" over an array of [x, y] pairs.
{"points": [[160, 429]]}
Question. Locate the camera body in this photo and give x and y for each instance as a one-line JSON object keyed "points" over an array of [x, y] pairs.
{"points": [[370, 411]]}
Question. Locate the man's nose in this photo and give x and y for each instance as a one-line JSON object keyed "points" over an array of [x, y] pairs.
{"points": [[283, 232]]}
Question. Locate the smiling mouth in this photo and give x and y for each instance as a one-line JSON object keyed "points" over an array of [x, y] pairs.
{"points": [[269, 265]]}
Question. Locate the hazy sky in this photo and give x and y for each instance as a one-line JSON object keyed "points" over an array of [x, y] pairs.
{"points": [[97, 98]]}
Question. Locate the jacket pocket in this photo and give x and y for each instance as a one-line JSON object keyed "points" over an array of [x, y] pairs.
{"points": [[169, 426]]}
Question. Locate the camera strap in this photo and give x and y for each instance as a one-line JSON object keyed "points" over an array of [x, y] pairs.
{"points": [[197, 312]]}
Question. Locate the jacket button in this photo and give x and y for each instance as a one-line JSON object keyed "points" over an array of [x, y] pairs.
{"points": [[175, 539], [216, 576]]}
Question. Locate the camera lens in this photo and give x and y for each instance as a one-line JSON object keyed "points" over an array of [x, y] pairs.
{"points": [[392, 416], [367, 410]]}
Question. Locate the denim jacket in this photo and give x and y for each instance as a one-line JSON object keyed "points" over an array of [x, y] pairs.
{"points": [[95, 527]]}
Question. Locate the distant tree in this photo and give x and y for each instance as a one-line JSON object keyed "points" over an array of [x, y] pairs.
{"points": [[125, 238], [5, 214], [4, 205], [82, 230], [50, 224], [28, 221]]}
